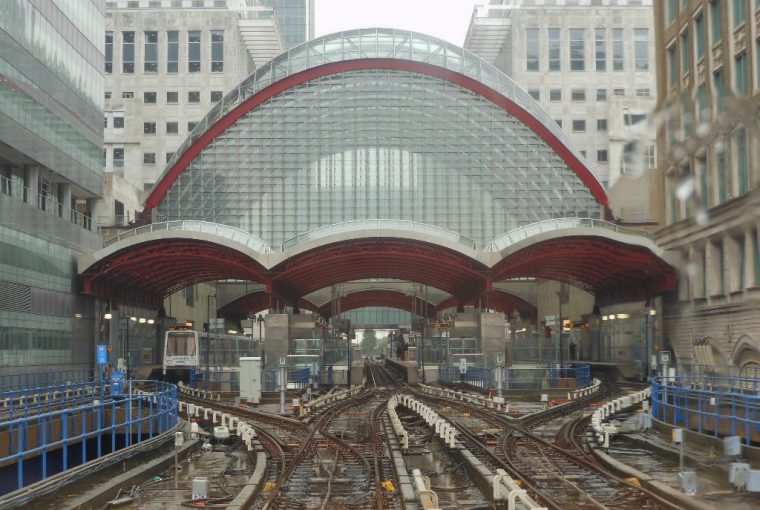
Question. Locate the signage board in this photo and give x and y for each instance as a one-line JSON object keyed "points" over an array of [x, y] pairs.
{"points": [[102, 353], [117, 383], [463, 366], [500, 360], [283, 361], [665, 357]]}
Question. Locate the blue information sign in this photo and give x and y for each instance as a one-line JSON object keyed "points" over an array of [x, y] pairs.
{"points": [[117, 384], [102, 354]]}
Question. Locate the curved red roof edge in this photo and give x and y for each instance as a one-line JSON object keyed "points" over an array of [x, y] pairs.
{"points": [[313, 73]]}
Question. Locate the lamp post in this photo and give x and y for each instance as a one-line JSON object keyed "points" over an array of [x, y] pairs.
{"points": [[561, 325], [260, 320]]}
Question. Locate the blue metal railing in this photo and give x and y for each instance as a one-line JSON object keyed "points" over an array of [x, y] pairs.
{"points": [[709, 406], [521, 378], [215, 380], [297, 379], [45, 378], [154, 408]]}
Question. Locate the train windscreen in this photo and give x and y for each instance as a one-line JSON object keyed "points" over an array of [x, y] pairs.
{"points": [[180, 343]]}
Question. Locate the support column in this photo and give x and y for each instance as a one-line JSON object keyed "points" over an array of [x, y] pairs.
{"points": [[64, 197], [32, 182], [749, 261]]}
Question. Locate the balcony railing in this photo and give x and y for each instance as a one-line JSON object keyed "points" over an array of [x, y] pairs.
{"points": [[45, 203]]}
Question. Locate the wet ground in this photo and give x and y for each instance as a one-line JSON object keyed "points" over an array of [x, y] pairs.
{"points": [[712, 478], [448, 479], [227, 470]]}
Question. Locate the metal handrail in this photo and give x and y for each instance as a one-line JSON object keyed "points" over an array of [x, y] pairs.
{"points": [[704, 408], [516, 235], [206, 227], [127, 412], [356, 225], [46, 203]]}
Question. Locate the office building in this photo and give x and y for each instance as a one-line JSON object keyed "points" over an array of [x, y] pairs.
{"points": [[51, 175], [295, 19], [708, 88], [591, 67]]}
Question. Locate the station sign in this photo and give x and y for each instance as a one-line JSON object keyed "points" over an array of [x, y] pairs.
{"points": [[283, 361], [117, 384], [102, 354], [665, 357], [463, 366], [500, 360]]}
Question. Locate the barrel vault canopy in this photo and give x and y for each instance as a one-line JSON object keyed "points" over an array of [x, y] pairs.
{"points": [[376, 123]]}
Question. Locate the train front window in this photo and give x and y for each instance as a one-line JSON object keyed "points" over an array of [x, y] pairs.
{"points": [[180, 344]]}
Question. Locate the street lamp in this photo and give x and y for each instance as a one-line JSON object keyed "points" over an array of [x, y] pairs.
{"points": [[260, 320]]}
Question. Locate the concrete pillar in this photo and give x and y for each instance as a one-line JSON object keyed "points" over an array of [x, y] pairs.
{"points": [[32, 181], [749, 260], [64, 197], [493, 334], [276, 338]]}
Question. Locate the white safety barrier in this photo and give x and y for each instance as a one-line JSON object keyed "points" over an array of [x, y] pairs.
{"points": [[428, 499], [585, 390], [496, 403], [245, 430], [208, 395], [329, 399], [504, 487], [443, 428], [602, 431], [402, 434]]}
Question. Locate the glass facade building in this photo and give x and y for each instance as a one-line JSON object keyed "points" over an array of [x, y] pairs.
{"points": [[295, 19], [51, 130], [411, 128]]}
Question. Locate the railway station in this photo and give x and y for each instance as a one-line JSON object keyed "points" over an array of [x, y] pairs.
{"points": [[414, 292]]}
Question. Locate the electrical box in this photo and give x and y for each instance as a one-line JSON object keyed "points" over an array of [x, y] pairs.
{"points": [[688, 480], [250, 380], [179, 439], [753, 480], [201, 486], [677, 436], [732, 446], [737, 475]]}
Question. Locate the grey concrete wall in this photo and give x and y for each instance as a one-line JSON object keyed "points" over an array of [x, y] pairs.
{"points": [[493, 337], [276, 338]]}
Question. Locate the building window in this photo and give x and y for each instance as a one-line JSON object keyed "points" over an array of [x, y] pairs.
{"points": [[217, 51], [149, 128], [105, 157], [118, 158], [741, 162], [583, 153], [720, 90], [672, 67], [740, 74], [629, 119], [535, 94], [618, 92], [191, 126], [118, 122], [172, 52], [601, 156], [216, 96], [128, 52], [149, 97], [685, 53], [108, 94], [169, 156], [651, 156], [722, 178], [531, 49], [642, 92], [628, 161], [194, 51], [105, 122], [559, 122], [739, 12], [109, 52], [194, 96], [704, 191], [150, 64], [127, 94], [577, 49], [757, 63], [579, 126], [600, 49], [618, 55], [172, 97], [672, 10], [699, 35], [715, 32], [555, 51], [555, 95], [601, 124], [172, 128], [578, 95], [601, 94], [149, 158]]}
